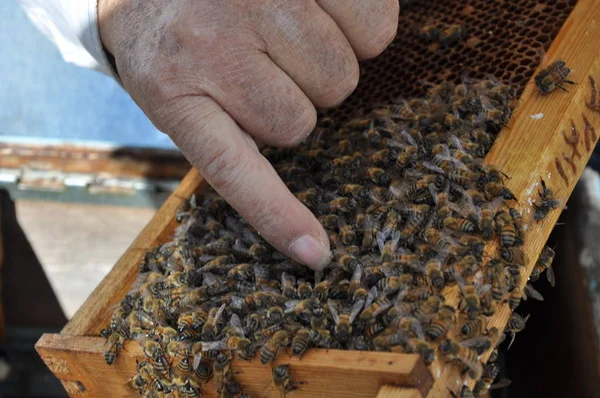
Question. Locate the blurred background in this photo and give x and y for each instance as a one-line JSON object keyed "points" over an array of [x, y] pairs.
{"points": [[82, 171]]}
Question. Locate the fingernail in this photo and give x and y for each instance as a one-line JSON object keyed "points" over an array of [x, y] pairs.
{"points": [[311, 251]]}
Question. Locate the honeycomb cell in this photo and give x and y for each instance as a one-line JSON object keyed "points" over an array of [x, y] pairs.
{"points": [[519, 29]]}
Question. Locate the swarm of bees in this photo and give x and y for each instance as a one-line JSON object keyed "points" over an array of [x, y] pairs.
{"points": [[408, 206]]}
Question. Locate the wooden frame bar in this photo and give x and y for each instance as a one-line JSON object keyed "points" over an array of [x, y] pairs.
{"points": [[555, 147]]}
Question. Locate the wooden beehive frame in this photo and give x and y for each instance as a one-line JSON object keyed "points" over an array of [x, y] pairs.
{"points": [[555, 145]]}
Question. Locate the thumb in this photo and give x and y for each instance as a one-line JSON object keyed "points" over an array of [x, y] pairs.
{"points": [[229, 160]]}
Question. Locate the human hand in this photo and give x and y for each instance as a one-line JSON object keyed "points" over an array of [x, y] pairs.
{"points": [[217, 75]]}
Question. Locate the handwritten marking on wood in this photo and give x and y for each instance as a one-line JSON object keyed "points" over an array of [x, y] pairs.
{"points": [[589, 136], [589, 133], [594, 103]]}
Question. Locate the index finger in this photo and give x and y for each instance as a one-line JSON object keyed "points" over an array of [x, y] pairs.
{"points": [[230, 161]]}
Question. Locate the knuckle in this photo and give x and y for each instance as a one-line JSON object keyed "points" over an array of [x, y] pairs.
{"points": [[386, 32], [298, 127], [223, 168], [270, 216], [337, 90]]}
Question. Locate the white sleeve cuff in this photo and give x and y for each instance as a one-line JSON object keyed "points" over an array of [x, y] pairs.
{"points": [[73, 26]]}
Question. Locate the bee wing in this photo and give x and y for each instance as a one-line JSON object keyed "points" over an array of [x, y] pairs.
{"points": [[372, 295], [475, 366], [455, 142], [219, 312], [476, 341], [196, 361], [210, 279], [357, 274], [531, 292], [235, 321], [461, 282], [400, 190], [408, 138], [413, 174], [290, 306], [417, 328], [285, 278], [401, 294], [482, 289], [260, 270], [332, 306], [380, 238], [214, 345], [356, 308], [433, 167], [434, 192], [550, 276], [502, 383]]}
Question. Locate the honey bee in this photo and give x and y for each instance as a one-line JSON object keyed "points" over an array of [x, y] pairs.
{"points": [[515, 324], [484, 384], [189, 323], [210, 330], [372, 135], [459, 224], [406, 157], [288, 283], [442, 322], [189, 389], [469, 301], [344, 318], [301, 341], [340, 205], [423, 348], [454, 351], [514, 255], [473, 327], [546, 203], [114, 343], [393, 284], [553, 76], [203, 372], [452, 34], [464, 178], [544, 263], [157, 382], [240, 345], [486, 222], [504, 223], [269, 351], [309, 198], [221, 370], [304, 290], [497, 190], [377, 176], [282, 380], [433, 269], [388, 341]]}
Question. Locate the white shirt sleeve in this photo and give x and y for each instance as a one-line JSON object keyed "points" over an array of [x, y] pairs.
{"points": [[73, 26]]}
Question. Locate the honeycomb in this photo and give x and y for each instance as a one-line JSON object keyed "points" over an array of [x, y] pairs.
{"points": [[504, 39]]}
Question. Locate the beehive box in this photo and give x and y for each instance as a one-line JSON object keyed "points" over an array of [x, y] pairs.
{"points": [[551, 137]]}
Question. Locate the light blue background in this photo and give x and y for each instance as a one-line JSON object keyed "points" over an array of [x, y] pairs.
{"points": [[42, 98]]}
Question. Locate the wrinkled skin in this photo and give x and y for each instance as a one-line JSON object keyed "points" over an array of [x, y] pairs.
{"points": [[216, 76]]}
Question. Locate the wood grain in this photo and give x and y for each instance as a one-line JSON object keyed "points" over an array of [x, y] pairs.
{"points": [[119, 162], [398, 392], [78, 362], [94, 313], [556, 148]]}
